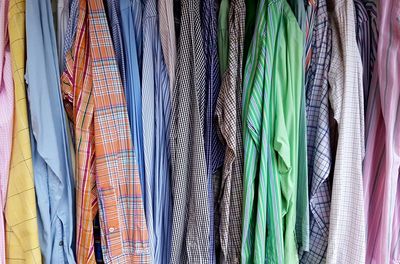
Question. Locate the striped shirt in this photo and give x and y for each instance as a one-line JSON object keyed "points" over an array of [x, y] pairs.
{"points": [[131, 26], [271, 136], [94, 99], [318, 137], [347, 238], [382, 161], [22, 238], [228, 111], [156, 123], [6, 116]]}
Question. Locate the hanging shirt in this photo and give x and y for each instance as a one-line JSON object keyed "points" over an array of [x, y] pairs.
{"points": [[167, 36], [156, 123], [22, 238], [103, 144], [54, 182], [213, 147], [223, 39], [347, 228], [131, 25], [6, 116], [382, 161], [304, 12], [318, 137], [228, 111], [271, 112], [191, 214]]}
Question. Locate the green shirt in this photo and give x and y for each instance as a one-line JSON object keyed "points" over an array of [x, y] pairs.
{"points": [[272, 98], [223, 40]]}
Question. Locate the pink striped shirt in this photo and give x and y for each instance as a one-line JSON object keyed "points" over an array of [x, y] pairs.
{"points": [[6, 117], [382, 160]]}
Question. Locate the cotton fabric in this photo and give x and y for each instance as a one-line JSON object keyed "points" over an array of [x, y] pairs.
{"points": [[156, 123], [347, 229], [117, 179], [22, 238], [54, 182], [318, 137], [382, 161], [191, 214], [6, 116], [228, 111]]}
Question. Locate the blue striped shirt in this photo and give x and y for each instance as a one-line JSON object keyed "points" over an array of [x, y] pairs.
{"points": [[156, 123]]}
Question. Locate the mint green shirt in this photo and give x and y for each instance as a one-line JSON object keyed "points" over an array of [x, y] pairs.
{"points": [[271, 116]]}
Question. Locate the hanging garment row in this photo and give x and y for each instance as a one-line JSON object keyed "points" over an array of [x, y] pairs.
{"points": [[199, 131]]}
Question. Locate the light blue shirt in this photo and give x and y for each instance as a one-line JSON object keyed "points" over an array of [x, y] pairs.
{"points": [[131, 25], [148, 87], [50, 150]]}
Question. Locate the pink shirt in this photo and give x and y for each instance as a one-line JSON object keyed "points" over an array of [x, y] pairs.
{"points": [[382, 160], [6, 117]]}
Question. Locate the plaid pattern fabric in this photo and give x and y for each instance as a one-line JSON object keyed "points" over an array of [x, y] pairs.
{"points": [[191, 220], [22, 240], [78, 101], [347, 229], [6, 116], [318, 137], [105, 158], [228, 111], [213, 147]]}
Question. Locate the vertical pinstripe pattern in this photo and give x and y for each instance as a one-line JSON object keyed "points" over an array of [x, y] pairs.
{"points": [[22, 240], [347, 238], [131, 22], [62, 23], [363, 33], [156, 118], [318, 137], [6, 116], [191, 220], [228, 111], [271, 136], [382, 161], [368, 39], [112, 7], [168, 38], [213, 147]]}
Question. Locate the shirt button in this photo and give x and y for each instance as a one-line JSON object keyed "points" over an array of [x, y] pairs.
{"points": [[61, 243], [111, 229]]}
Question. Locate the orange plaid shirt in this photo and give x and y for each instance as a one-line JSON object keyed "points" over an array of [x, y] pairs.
{"points": [[106, 168]]}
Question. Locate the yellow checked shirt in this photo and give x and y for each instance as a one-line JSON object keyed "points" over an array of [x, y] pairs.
{"points": [[22, 242]]}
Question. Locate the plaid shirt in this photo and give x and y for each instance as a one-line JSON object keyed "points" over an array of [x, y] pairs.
{"points": [[318, 137], [22, 239], [228, 111], [94, 100]]}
